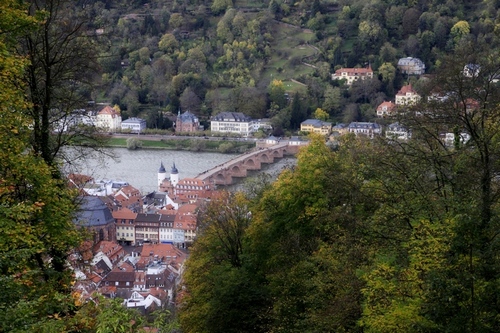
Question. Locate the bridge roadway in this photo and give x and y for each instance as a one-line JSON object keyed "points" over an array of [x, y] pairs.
{"points": [[223, 173]]}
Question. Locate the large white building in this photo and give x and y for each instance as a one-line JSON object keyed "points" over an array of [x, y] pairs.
{"points": [[231, 122], [135, 125]]}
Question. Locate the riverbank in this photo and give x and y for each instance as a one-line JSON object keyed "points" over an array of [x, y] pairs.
{"points": [[203, 144]]}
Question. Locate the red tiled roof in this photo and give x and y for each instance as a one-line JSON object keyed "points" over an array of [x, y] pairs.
{"points": [[108, 110], [162, 251], [124, 213], [354, 71], [390, 105], [406, 89]]}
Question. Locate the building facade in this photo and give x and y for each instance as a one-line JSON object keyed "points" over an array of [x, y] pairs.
{"points": [[353, 74], [109, 119], [231, 122], [187, 122], [316, 126], [386, 109], [407, 96], [365, 128], [134, 125], [411, 66]]}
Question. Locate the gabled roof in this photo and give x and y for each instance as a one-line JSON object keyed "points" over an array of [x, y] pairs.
{"points": [[406, 89], [124, 213], [108, 110], [163, 251]]}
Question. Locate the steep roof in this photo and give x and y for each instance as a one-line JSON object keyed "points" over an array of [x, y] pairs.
{"points": [[406, 89], [93, 212]]}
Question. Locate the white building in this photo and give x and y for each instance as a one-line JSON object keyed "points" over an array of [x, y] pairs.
{"points": [[231, 122], [407, 96], [257, 124], [134, 125], [364, 128], [396, 131], [109, 119], [411, 66], [353, 74]]}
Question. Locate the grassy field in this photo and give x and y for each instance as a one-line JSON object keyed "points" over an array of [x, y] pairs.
{"points": [[191, 144]]}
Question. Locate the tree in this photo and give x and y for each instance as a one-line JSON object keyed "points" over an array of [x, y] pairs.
{"points": [[168, 43], [62, 68], [321, 114], [460, 30], [222, 293], [333, 100], [297, 111], [36, 228], [219, 6]]}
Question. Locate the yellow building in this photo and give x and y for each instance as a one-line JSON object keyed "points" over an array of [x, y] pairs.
{"points": [[316, 126]]}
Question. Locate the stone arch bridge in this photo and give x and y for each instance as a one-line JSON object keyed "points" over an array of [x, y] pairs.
{"points": [[239, 166]]}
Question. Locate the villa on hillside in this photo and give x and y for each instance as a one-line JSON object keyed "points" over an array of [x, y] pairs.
{"points": [[386, 109], [365, 128], [353, 74], [316, 126], [411, 66], [396, 131], [407, 96]]}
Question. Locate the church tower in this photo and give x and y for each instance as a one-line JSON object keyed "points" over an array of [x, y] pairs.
{"points": [[174, 176], [162, 174]]}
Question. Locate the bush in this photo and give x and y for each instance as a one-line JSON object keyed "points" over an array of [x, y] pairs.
{"points": [[133, 143], [227, 147]]}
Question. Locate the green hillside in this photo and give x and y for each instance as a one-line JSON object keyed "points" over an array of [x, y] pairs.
{"points": [[161, 56]]}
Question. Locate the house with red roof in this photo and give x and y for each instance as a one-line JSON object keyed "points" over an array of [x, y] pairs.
{"points": [[407, 96], [109, 119], [125, 225], [386, 109], [353, 74]]}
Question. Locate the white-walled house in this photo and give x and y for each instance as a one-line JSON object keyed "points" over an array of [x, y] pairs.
{"points": [[407, 96], [364, 128], [231, 122], [396, 131], [353, 74], [135, 125], [109, 119], [411, 66]]}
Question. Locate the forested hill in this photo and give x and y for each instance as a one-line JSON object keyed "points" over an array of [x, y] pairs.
{"points": [[208, 57]]}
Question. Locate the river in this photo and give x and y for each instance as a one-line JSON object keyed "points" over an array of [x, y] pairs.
{"points": [[140, 167]]}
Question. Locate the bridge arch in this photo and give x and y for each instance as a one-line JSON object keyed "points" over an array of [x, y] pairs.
{"points": [[250, 162], [265, 158]]}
